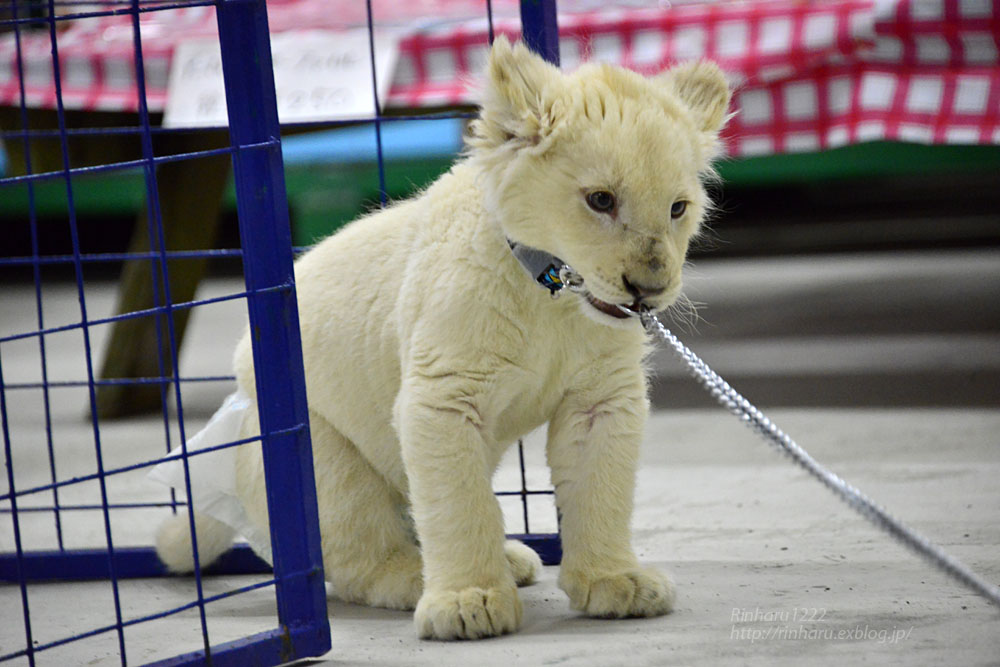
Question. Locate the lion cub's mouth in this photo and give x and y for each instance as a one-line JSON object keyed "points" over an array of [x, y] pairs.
{"points": [[621, 312]]}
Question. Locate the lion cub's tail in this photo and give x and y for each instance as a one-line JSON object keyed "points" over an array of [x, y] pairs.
{"points": [[173, 541]]}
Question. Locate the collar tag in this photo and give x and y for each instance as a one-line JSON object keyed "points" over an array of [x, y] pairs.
{"points": [[544, 269], [547, 270]]}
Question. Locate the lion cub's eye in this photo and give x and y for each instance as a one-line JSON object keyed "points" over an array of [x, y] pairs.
{"points": [[678, 209], [601, 201]]}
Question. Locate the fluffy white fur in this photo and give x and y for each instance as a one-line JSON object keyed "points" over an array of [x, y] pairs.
{"points": [[428, 349]]}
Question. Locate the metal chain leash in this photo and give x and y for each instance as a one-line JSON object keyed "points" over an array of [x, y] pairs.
{"points": [[555, 275], [733, 401]]}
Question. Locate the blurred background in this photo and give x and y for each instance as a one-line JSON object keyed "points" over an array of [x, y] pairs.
{"points": [[865, 275], [853, 258]]}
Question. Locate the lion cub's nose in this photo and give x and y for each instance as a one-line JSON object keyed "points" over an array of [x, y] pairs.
{"points": [[640, 291]]}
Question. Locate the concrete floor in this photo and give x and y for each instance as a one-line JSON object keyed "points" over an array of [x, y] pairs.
{"points": [[769, 567]]}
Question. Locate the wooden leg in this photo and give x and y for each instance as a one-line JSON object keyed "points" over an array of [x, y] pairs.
{"points": [[190, 192]]}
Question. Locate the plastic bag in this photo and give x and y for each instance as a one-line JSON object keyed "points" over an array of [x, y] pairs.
{"points": [[213, 474]]}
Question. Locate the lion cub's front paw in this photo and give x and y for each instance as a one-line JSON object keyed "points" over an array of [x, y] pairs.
{"points": [[630, 593], [471, 613]]}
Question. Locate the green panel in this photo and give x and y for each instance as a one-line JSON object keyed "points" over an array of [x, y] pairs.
{"points": [[119, 193], [324, 197], [859, 161]]}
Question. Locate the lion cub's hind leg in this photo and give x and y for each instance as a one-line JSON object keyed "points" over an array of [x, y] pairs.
{"points": [[524, 563], [369, 552]]}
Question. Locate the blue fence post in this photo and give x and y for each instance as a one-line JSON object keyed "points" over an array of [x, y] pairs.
{"points": [[540, 28], [540, 31], [274, 324]]}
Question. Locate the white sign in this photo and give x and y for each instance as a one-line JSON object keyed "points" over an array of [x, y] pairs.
{"points": [[319, 75]]}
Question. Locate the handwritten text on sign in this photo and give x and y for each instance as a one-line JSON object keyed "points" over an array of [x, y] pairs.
{"points": [[318, 75]]}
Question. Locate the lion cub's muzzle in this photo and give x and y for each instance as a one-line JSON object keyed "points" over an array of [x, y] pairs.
{"points": [[640, 291], [642, 294]]}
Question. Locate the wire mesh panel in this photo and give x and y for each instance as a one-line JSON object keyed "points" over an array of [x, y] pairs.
{"points": [[66, 460], [101, 375]]}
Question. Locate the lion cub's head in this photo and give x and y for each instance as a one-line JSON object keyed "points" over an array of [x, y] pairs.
{"points": [[602, 167]]}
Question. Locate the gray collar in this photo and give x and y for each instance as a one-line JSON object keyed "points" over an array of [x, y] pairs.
{"points": [[555, 275], [544, 268]]}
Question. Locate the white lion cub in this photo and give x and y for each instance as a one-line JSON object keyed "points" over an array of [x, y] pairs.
{"points": [[429, 349]]}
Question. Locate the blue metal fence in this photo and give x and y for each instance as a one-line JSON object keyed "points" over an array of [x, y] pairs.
{"points": [[266, 254]]}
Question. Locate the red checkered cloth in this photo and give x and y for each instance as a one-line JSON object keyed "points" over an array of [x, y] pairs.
{"points": [[809, 75]]}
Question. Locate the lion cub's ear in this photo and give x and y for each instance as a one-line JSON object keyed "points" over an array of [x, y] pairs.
{"points": [[703, 88], [520, 84]]}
